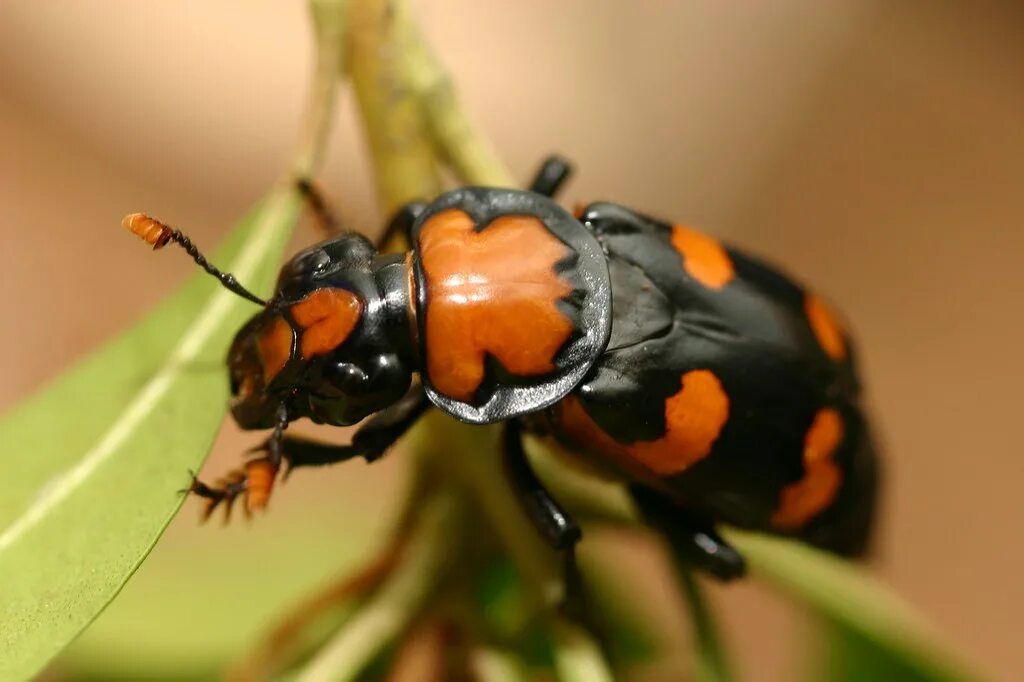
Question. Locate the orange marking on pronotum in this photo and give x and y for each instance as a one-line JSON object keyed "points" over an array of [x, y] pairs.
{"points": [[825, 327], [694, 418], [327, 316], [274, 344], [490, 292], [805, 499], [704, 258]]}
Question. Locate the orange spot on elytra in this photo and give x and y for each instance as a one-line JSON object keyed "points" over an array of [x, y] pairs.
{"points": [[704, 258], [275, 347], [694, 418], [490, 292], [825, 328], [805, 499], [327, 316]]}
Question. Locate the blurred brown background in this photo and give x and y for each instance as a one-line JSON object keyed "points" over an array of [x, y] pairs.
{"points": [[875, 148]]}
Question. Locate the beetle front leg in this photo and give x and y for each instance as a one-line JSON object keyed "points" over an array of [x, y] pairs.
{"points": [[225, 491], [256, 479]]}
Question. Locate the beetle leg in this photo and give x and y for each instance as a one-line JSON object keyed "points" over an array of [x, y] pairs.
{"points": [[551, 521], [693, 539], [557, 527], [318, 207], [401, 224], [256, 479], [551, 175], [226, 491], [370, 441]]}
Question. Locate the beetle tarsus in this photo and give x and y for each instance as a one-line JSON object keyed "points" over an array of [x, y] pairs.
{"points": [[693, 540], [225, 491], [551, 176]]}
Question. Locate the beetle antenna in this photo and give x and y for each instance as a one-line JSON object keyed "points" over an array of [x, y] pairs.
{"points": [[158, 234]]}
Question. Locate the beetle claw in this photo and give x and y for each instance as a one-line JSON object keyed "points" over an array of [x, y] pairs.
{"points": [[226, 491]]}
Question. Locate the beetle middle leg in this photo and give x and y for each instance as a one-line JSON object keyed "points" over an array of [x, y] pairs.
{"points": [[692, 538], [553, 523]]}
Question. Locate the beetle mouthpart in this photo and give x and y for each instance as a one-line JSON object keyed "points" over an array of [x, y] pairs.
{"points": [[150, 230]]}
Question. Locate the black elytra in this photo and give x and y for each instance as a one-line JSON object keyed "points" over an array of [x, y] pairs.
{"points": [[719, 389]]}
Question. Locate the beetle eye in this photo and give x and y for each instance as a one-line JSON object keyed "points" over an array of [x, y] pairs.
{"points": [[312, 262]]}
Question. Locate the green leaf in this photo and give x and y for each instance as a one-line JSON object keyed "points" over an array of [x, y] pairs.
{"points": [[712, 664], [846, 655], [874, 626], [96, 459], [208, 594], [622, 604]]}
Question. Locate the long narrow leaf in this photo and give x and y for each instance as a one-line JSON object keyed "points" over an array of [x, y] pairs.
{"points": [[864, 612], [94, 462], [845, 655]]}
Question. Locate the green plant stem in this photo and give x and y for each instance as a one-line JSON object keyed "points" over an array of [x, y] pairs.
{"points": [[328, 17], [577, 656], [390, 610], [380, 36], [472, 454], [457, 141], [488, 664]]}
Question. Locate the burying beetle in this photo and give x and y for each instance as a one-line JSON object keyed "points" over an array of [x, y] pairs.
{"points": [[718, 388]]}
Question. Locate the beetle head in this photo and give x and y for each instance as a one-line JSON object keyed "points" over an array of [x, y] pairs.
{"points": [[321, 346]]}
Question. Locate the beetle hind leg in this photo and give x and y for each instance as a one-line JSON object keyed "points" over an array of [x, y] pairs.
{"points": [[553, 523], [692, 538]]}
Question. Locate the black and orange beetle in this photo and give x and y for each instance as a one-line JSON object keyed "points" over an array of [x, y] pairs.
{"points": [[717, 387]]}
